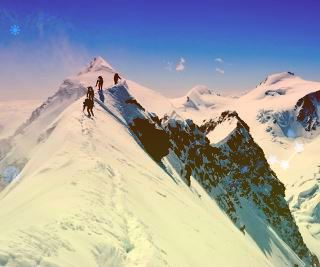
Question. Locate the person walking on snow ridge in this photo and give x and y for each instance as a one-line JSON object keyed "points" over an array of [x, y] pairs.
{"points": [[88, 103], [90, 93], [99, 83], [116, 78]]}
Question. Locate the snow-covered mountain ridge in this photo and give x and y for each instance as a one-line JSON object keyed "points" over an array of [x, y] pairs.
{"points": [[17, 149], [118, 189], [97, 199]]}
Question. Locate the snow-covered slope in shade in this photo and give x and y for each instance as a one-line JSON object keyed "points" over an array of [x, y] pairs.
{"points": [[91, 196]]}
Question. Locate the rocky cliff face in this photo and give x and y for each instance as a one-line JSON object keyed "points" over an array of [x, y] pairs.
{"points": [[308, 111], [236, 174]]}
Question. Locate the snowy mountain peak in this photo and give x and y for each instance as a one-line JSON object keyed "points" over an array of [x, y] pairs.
{"points": [[200, 97], [280, 84], [201, 90], [98, 64], [277, 77]]}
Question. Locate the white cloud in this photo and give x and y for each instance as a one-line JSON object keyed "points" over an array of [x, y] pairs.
{"points": [[181, 65], [219, 60], [220, 71]]}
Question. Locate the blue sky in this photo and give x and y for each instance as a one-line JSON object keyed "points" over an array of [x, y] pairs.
{"points": [[229, 45]]}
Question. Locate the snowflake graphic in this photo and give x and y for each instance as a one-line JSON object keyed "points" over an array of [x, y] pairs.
{"points": [[15, 30]]}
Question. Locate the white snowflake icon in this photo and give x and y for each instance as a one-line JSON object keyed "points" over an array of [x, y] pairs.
{"points": [[15, 30]]}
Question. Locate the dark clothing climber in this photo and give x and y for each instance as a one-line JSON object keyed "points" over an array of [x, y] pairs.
{"points": [[90, 93], [99, 83], [88, 103], [116, 78]]}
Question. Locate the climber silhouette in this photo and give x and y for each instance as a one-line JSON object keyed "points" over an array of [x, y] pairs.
{"points": [[116, 78], [88, 103], [90, 93], [99, 83]]}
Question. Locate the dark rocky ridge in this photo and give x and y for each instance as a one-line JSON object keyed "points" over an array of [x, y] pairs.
{"points": [[235, 173], [308, 108]]}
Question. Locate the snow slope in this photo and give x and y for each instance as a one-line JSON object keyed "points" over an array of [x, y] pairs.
{"points": [[97, 199]]}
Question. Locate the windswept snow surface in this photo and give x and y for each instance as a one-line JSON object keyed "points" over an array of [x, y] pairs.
{"points": [[91, 196]]}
